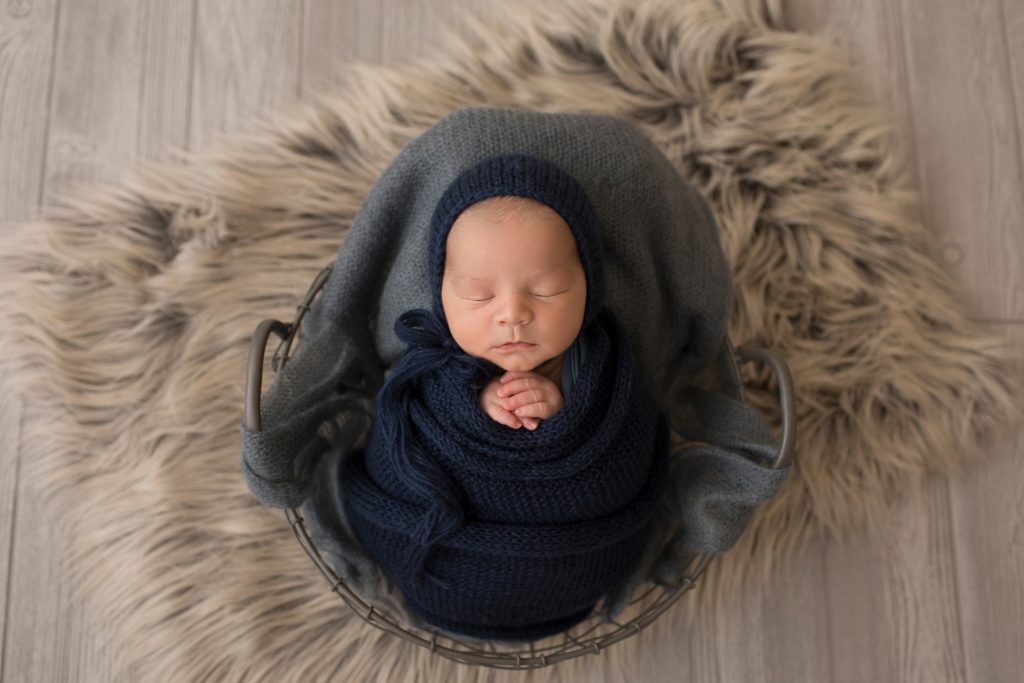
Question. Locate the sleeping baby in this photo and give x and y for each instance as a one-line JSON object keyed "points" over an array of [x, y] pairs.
{"points": [[516, 459], [522, 311]]}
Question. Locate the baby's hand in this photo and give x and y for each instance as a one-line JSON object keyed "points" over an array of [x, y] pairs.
{"points": [[521, 399]]}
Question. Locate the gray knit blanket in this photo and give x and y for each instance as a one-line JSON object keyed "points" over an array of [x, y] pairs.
{"points": [[668, 283]]}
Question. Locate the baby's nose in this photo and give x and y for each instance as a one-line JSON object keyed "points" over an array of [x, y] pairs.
{"points": [[514, 313]]}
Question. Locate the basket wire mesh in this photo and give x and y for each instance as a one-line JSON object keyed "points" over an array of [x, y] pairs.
{"points": [[593, 634]]}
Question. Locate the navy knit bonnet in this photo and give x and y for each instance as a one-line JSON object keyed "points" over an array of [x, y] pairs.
{"points": [[521, 176]]}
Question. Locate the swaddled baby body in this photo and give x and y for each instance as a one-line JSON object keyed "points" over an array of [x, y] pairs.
{"points": [[517, 458]]}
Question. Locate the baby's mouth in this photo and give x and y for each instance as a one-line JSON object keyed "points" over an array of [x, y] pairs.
{"points": [[515, 346]]}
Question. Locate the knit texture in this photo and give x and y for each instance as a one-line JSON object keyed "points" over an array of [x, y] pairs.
{"points": [[550, 520]]}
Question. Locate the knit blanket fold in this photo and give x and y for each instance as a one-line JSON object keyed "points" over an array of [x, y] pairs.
{"points": [[521, 532]]}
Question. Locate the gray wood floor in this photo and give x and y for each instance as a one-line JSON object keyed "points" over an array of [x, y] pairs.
{"points": [[87, 86]]}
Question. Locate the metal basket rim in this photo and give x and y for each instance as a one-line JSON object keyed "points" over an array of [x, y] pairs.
{"points": [[501, 660]]}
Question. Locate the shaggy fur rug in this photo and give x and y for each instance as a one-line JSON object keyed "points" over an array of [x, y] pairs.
{"points": [[126, 318]]}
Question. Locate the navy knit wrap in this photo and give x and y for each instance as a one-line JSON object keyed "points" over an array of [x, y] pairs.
{"points": [[494, 532], [550, 520]]}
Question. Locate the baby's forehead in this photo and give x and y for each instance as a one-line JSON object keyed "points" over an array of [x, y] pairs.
{"points": [[498, 219], [503, 206]]}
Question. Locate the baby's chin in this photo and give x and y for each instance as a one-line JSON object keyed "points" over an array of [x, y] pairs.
{"points": [[518, 366], [521, 363]]}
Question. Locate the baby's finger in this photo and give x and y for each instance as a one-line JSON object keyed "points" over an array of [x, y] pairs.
{"points": [[518, 386], [541, 410], [531, 423], [523, 398], [506, 418]]}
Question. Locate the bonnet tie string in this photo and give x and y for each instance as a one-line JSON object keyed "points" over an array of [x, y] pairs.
{"points": [[431, 349]]}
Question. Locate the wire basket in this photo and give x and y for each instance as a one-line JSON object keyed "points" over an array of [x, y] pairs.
{"points": [[594, 633]]}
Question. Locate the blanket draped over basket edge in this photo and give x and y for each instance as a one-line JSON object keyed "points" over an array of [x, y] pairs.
{"points": [[667, 281]]}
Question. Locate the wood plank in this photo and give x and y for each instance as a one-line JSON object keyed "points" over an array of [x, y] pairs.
{"points": [[726, 645], [795, 627], [105, 52], [247, 62], [386, 32], [166, 85], [10, 429], [988, 526], [26, 65], [1013, 31], [95, 102], [49, 637], [972, 179], [893, 595], [777, 631]]}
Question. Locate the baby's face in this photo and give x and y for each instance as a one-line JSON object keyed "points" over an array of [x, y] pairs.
{"points": [[513, 289]]}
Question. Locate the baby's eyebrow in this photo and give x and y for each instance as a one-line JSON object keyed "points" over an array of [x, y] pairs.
{"points": [[535, 274], [458, 278]]}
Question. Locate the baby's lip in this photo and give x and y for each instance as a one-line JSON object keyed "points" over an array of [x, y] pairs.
{"points": [[515, 346]]}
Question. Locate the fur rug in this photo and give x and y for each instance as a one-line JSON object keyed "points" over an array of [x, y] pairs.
{"points": [[126, 318]]}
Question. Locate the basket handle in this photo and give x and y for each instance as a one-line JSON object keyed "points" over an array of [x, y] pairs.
{"points": [[258, 348], [254, 371], [786, 397]]}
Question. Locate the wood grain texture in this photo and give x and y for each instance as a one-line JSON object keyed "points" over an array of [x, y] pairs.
{"points": [[893, 596], [10, 432], [1012, 19], [972, 180], [26, 67], [104, 54], [49, 637], [386, 32], [165, 95], [772, 632], [795, 622], [247, 62], [988, 527], [94, 110]]}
